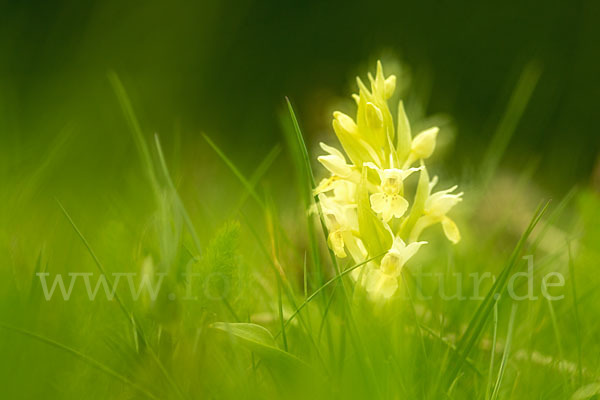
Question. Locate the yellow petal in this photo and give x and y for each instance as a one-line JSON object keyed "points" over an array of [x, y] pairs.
{"points": [[335, 165], [389, 287], [374, 117], [398, 206], [381, 285], [424, 143], [336, 243], [326, 185], [411, 250], [390, 86], [345, 122], [451, 230], [378, 202], [386, 214], [374, 278]]}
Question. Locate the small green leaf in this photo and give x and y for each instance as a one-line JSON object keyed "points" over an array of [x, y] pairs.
{"points": [[259, 340], [254, 335]]}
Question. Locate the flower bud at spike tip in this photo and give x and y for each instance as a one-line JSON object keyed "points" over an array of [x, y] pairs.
{"points": [[424, 143], [374, 117], [390, 86], [345, 122]]}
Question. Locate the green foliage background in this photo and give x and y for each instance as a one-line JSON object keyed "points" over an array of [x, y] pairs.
{"points": [[513, 85]]}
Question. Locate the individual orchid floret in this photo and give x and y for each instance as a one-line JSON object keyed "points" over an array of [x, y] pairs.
{"points": [[388, 201], [383, 281], [358, 149], [422, 146], [335, 162], [344, 193], [342, 224], [436, 207]]}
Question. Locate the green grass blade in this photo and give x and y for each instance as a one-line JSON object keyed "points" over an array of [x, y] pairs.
{"points": [[258, 174], [507, 345], [306, 184], [488, 390], [281, 318], [126, 311], [576, 314], [130, 315], [414, 315], [514, 111], [326, 284], [135, 128], [179, 202], [247, 185], [557, 335], [87, 359], [475, 327]]}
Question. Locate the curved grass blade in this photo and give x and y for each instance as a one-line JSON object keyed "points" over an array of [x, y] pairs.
{"points": [[576, 314], [135, 128], [514, 111], [247, 185], [90, 361], [130, 315], [325, 285], [488, 389], [509, 336], [587, 392], [258, 174], [475, 327], [306, 185], [180, 205]]}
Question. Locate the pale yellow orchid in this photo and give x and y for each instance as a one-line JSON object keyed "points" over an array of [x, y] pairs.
{"points": [[422, 146], [383, 281], [342, 224], [366, 213], [335, 162], [437, 206], [388, 201]]}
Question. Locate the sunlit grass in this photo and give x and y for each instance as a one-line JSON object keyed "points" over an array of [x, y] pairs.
{"points": [[271, 313]]}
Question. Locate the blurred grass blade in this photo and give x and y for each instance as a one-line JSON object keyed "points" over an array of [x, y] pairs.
{"points": [[306, 185], [247, 185], [414, 315], [557, 337], [475, 327], [258, 174], [180, 205], [488, 389], [135, 128], [576, 314], [129, 315], [514, 111], [509, 336], [553, 217], [587, 392], [326, 284], [450, 347], [87, 359], [126, 311]]}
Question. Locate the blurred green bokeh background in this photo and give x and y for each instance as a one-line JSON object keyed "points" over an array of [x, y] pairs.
{"points": [[224, 69]]}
